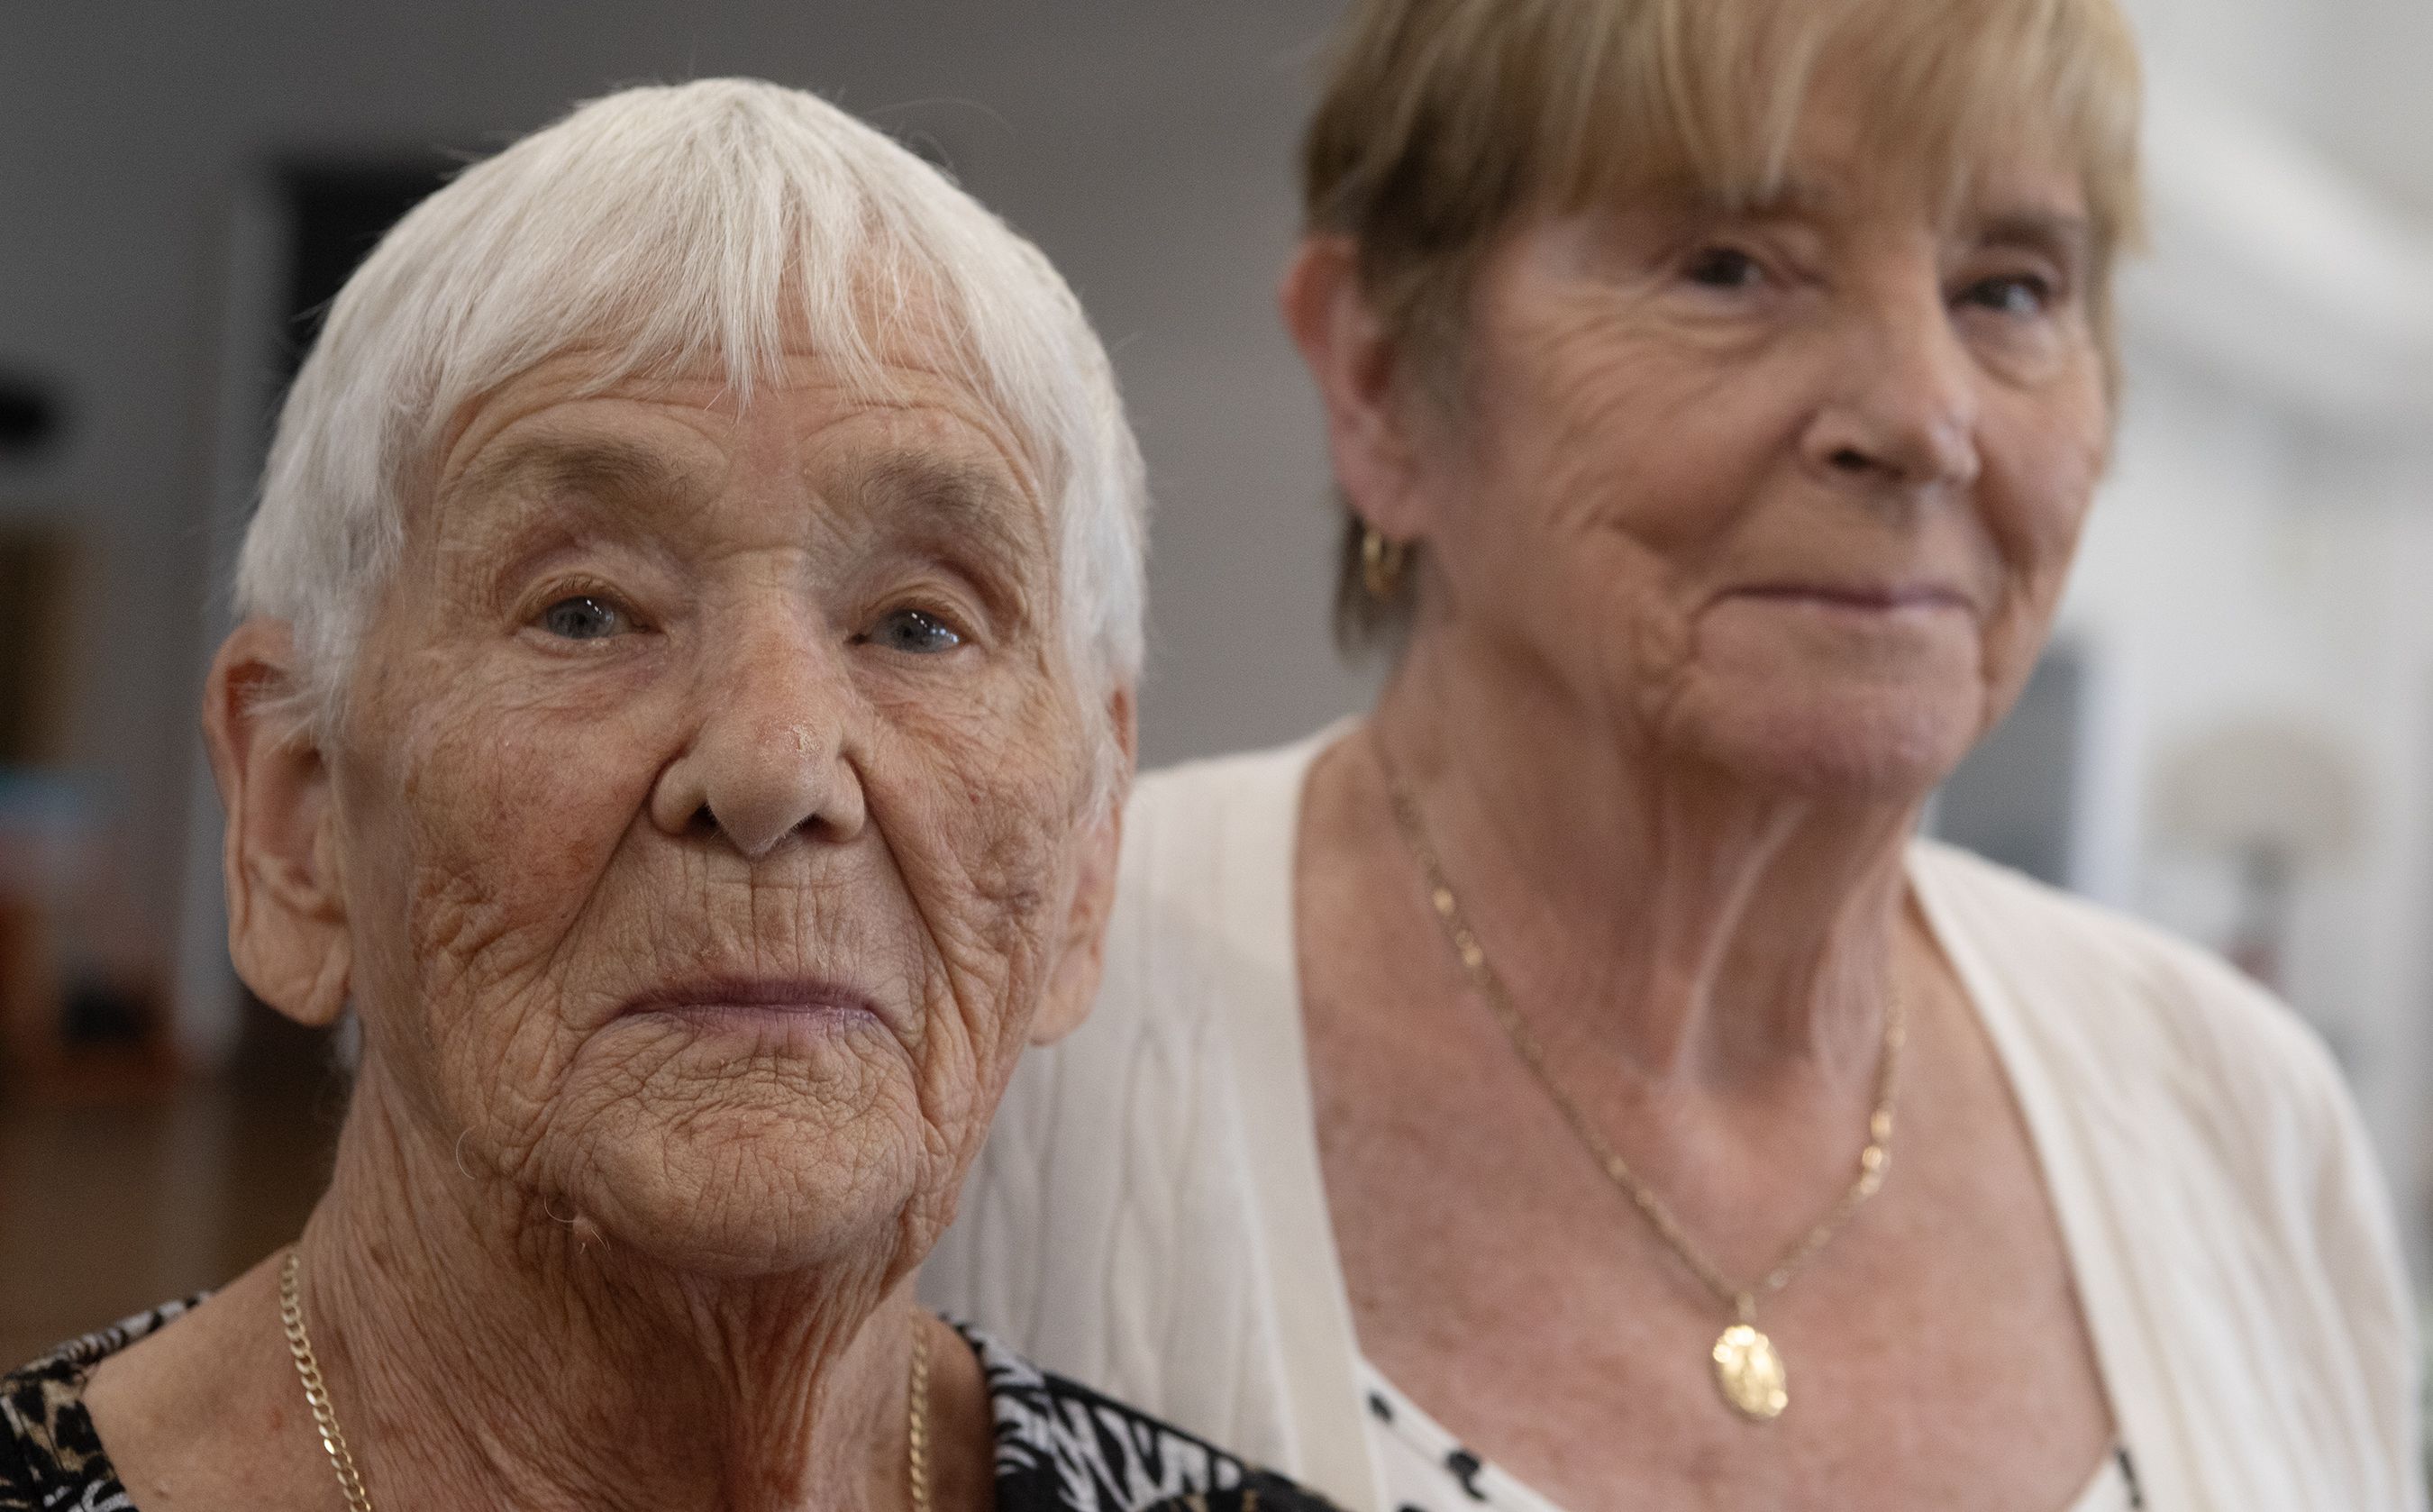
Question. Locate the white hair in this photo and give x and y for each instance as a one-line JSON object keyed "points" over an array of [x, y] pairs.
{"points": [[656, 229]]}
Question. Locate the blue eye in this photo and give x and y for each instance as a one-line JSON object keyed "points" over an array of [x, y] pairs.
{"points": [[584, 617], [913, 631], [2021, 295]]}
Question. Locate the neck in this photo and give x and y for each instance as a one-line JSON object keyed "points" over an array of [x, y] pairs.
{"points": [[1704, 926], [481, 1352]]}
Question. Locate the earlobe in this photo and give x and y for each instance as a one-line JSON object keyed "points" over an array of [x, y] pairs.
{"points": [[1073, 985], [1355, 365], [286, 905]]}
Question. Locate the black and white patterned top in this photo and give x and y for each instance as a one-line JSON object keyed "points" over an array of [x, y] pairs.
{"points": [[1059, 1445]]}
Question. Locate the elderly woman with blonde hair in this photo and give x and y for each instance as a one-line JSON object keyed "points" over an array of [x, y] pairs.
{"points": [[682, 705], [1573, 1085]]}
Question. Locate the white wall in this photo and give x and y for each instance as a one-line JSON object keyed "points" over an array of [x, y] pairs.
{"points": [[2348, 76], [2241, 566], [2371, 105], [2265, 546]]}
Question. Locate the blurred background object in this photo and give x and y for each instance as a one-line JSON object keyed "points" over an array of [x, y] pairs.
{"points": [[2266, 806], [2233, 734]]}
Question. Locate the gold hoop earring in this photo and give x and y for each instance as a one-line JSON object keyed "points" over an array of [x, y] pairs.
{"points": [[1381, 562]]}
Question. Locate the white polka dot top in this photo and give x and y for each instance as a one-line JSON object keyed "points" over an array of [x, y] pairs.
{"points": [[1426, 1469]]}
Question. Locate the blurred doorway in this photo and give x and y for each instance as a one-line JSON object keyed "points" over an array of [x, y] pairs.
{"points": [[334, 211], [2015, 798]]}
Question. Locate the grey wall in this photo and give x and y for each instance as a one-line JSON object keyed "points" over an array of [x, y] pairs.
{"points": [[1146, 147]]}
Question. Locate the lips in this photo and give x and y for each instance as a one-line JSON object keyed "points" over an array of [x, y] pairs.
{"points": [[810, 1001], [1881, 597]]}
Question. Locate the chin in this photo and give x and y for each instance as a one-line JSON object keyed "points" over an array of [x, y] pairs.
{"points": [[1872, 745], [767, 1178]]}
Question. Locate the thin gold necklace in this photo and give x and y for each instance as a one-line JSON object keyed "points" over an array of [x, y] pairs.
{"points": [[1749, 1371], [351, 1480]]}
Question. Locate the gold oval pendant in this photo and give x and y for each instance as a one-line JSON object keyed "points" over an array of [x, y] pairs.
{"points": [[1750, 1374]]}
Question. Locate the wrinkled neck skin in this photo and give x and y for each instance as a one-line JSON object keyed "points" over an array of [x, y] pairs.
{"points": [[1711, 932], [482, 1352]]}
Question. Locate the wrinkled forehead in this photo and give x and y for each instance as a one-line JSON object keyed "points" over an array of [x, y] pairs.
{"points": [[885, 326], [894, 443]]}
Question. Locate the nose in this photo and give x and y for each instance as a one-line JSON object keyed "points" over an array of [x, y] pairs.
{"points": [[770, 753], [1903, 415]]}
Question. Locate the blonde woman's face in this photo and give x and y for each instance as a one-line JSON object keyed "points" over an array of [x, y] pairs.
{"points": [[1790, 488]]}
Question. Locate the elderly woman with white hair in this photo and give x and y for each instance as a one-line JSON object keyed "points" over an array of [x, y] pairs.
{"points": [[682, 706], [1572, 1085]]}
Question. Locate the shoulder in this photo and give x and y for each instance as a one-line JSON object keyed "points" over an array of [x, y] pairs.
{"points": [[1271, 775], [2164, 1053], [2228, 1191], [1146, 1213], [1237, 811], [1202, 932], [50, 1455], [2110, 987], [1060, 1445]]}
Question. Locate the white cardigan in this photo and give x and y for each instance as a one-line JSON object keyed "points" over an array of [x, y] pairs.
{"points": [[1149, 1215]]}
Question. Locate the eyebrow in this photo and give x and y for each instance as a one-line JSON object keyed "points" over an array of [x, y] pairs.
{"points": [[1792, 197], [964, 513], [960, 502], [603, 467], [2038, 230], [1786, 196]]}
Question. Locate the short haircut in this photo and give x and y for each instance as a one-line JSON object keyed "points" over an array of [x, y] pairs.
{"points": [[656, 230], [1444, 122]]}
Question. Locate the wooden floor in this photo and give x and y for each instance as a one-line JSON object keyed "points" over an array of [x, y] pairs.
{"points": [[111, 1206]]}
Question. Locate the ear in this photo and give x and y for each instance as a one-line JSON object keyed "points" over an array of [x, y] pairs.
{"points": [[1074, 984], [286, 902], [1360, 383]]}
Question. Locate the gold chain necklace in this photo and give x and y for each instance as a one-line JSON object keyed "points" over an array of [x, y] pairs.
{"points": [[308, 1366], [1748, 1369], [351, 1480], [917, 1467]]}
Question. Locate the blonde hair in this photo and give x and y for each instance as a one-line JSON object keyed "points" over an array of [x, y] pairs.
{"points": [[1443, 122]]}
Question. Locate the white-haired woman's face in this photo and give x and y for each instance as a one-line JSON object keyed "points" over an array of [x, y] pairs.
{"points": [[716, 807], [1792, 489]]}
